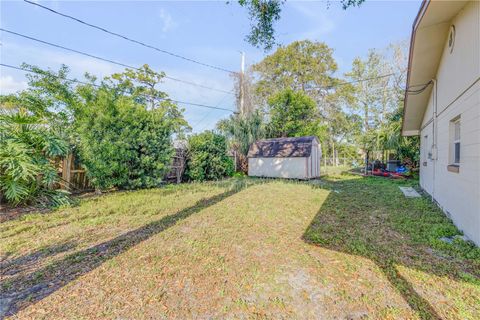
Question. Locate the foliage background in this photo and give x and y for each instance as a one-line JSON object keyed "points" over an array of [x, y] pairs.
{"points": [[207, 157]]}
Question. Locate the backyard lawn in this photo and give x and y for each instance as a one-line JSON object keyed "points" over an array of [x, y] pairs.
{"points": [[343, 247]]}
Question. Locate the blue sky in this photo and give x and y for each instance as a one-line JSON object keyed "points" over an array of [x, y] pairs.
{"points": [[209, 31]]}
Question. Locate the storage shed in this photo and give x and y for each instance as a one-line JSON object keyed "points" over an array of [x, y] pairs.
{"points": [[294, 158]]}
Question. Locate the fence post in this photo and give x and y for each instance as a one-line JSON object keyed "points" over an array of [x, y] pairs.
{"points": [[66, 171]]}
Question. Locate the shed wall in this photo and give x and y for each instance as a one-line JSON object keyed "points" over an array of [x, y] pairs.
{"points": [[313, 161], [293, 168]]}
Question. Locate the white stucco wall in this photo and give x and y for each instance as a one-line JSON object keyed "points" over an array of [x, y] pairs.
{"points": [[293, 168], [458, 80]]}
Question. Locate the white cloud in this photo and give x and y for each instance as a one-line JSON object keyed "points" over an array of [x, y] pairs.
{"points": [[167, 21], [9, 85]]}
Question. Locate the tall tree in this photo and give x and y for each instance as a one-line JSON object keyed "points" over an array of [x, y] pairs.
{"points": [[263, 16], [376, 97], [292, 114], [301, 66], [308, 67]]}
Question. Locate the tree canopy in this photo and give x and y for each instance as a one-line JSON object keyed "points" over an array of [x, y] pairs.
{"points": [[302, 65], [296, 91], [292, 114], [263, 16], [120, 128]]}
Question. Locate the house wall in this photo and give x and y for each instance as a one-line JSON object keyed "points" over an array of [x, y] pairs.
{"points": [[426, 162], [458, 94], [294, 168]]}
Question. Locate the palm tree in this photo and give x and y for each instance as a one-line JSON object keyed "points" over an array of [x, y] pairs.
{"points": [[242, 130]]}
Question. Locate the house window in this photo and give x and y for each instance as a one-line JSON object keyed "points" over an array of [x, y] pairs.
{"points": [[456, 142], [455, 145]]}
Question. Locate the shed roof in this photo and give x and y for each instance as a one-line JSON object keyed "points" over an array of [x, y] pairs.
{"points": [[282, 147]]}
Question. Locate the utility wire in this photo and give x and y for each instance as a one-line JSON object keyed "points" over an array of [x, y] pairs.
{"points": [[127, 38], [208, 113], [98, 86], [362, 80], [354, 81], [418, 91], [103, 59]]}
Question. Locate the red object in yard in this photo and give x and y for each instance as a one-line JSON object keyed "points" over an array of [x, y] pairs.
{"points": [[387, 174], [380, 173]]}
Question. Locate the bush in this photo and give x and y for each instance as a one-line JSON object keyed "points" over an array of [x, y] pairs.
{"points": [[27, 145], [125, 146], [125, 141], [207, 157]]}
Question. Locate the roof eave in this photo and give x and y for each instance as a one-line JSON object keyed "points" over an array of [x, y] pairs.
{"points": [[427, 45], [416, 22]]}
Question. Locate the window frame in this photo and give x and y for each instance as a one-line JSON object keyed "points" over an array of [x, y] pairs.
{"points": [[456, 141]]}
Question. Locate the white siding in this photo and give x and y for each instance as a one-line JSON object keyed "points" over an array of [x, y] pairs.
{"points": [[459, 69], [458, 95], [426, 163], [459, 193], [293, 168]]}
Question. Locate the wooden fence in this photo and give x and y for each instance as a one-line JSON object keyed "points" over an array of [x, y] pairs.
{"points": [[178, 166], [73, 175]]}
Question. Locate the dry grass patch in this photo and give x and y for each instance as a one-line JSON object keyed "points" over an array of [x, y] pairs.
{"points": [[264, 250]]}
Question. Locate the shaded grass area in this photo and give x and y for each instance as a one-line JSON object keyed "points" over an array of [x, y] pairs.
{"points": [[369, 217], [342, 247]]}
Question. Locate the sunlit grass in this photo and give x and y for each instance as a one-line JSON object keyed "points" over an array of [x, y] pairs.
{"points": [[343, 246]]}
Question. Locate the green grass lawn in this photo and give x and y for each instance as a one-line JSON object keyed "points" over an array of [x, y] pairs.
{"points": [[343, 247]]}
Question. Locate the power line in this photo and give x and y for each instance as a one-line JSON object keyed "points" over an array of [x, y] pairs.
{"points": [[363, 80], [418, 91], [366, 79], [98, 86], [208, 113], [353, 81], [104, 59], [127, 38]]}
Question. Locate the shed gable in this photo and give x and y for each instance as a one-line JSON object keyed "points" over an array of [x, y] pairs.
{"points": [[282, 147]]}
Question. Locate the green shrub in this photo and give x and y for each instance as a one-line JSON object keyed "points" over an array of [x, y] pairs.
{"points": [[125, 140], [207, 157], [27, 145], [124, 145]]}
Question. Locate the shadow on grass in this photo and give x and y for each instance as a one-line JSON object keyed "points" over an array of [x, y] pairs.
{"points": [[20, 264], [25, 290], [369, 217]]}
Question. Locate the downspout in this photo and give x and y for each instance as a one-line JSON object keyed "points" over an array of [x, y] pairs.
{"points": [[434, 131]]}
